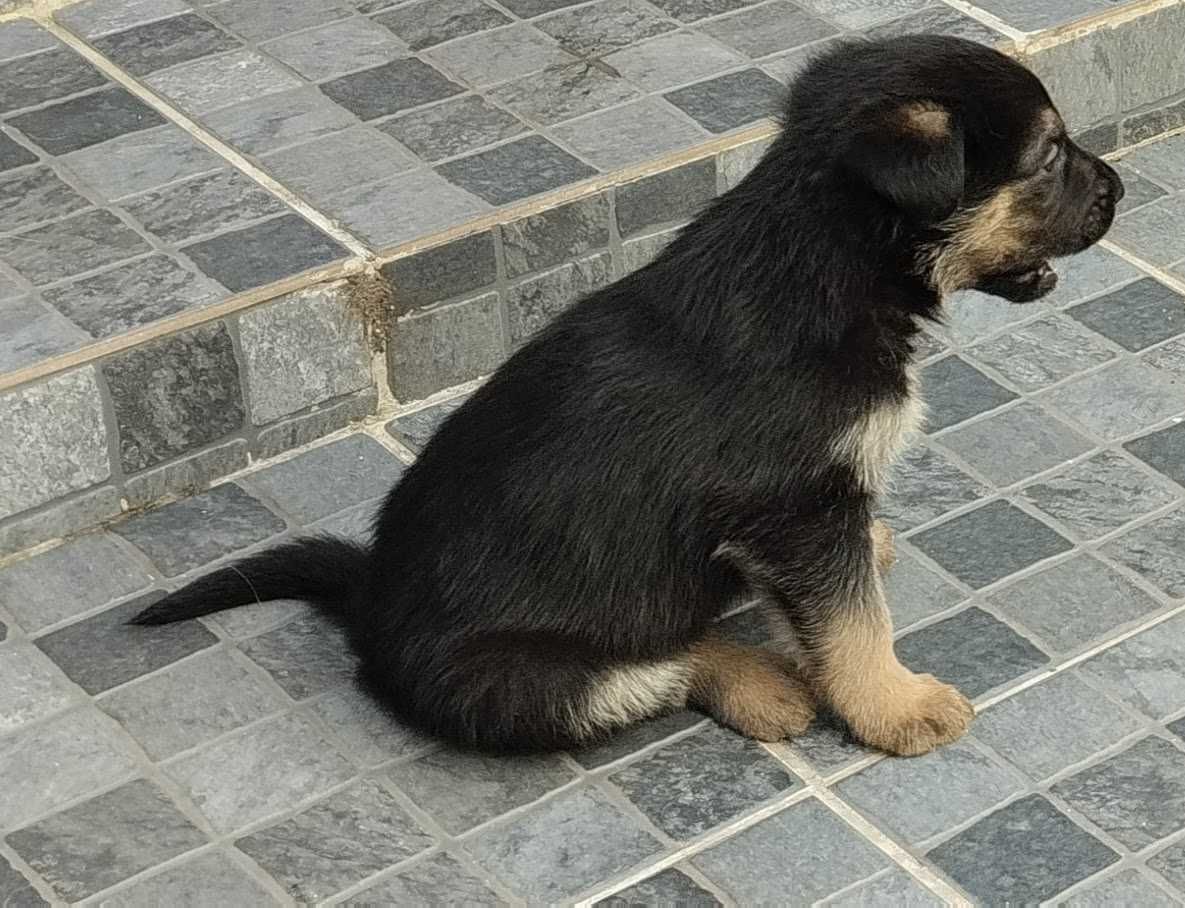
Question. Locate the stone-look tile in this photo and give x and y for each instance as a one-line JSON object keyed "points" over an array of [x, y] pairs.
{"points": [[925, 484], [267, 252], [936, 20], [562, 92], [1153, 231], [670, 887], [28, 81], [340, 841], [429, 22], [57, 762], [92, 18], [425, 881], [189, 703], [15, 890], [1127, 888], [73, 578], [516, 170], [390, 88], [211, 879], [1154, 60], [767, 29], [133, 828], [563, 846], [453, 127], [989, 543], [252, 774], [250, 620], [1088, 274], [636, 738], [915, 592], [786, 66], [1136, 315], [736, 163], [1098, 495], [675, 58], [437, 349], [71, 246], [701, 781], [33, 333], [186, 475], [1016, 443], [206, 85], [1169, 358], [13, 154], [855, 14], [1163, 451], [368, 735], [533, 303], [638, 131], [277, 120], [103, 651], [1052, 725], [141, 161], [30, 197], [1147, 671], [174, 394], [956, 391], [1137, 191], [355, 524], [31, 687], [895, 887], [338, 162], [694, 10], [328, 479], [1160, 160], [790, 858], [729, 102], [1102, 139], [970, 316], [678, 194], [1170, 863], [604, 26], [1022, 854], [1042, 352], [1136, 796], [641, 252], [144, 49], [302, 350], [1120, 399], [555, 236], [828, 745], [258, 20], [972, 650], [316, 424], [305, 656], [23, 36], [203, 205], [81, 122], [1082, 77], [342, 46], [194, 531], [1031, 18]]}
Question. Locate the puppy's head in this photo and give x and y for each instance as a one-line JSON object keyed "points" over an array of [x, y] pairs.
{"points": [[964, 147]]}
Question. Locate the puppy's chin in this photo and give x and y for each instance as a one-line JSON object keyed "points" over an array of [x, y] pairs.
{"points": [[1021, 286]]}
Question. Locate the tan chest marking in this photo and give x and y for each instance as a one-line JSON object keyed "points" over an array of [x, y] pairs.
{"points": [[875, 439]]}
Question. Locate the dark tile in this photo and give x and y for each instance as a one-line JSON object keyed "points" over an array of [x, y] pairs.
{"points": [[444, 346], [678, 194], [728, 102], [33, 196], [339, 842], [443, 272], [937, 20], [23, 36], [68, 247], [516, 170], [636, 737], [1137, 191], [267, 252], [973, 651], [305, 656], [1100, 140], [453, 127], [536, 301], [1023, 854], [27, 81], [556, 235], [955, 391], [768, 28], [15, 890], [133, 828], [1156, 122], [1163, 451], [258, 20], [89, 120], [989, 543], [1136, 796], [670, 887], [390, 88], [415, 429], [1154, 552], [694, 10], [925, 484], [174, 394], [601, 27], [194, 531], [564, 91], [425, 881], [166, 42], [1136, 315], [430, 22], [13, 154], [203, 205], [703, 780], [1044, 351], [103, 651]]}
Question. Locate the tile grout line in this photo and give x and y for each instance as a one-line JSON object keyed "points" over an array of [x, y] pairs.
{"points": [[1165, 277]]}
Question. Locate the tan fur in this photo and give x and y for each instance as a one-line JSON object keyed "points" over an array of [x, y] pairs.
{"points": [[875, 439], [884, 550], [626, 694], [925, 119], [980, 241]]}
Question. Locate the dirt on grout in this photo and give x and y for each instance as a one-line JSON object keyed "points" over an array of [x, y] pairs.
{"points": [[372, 298]]}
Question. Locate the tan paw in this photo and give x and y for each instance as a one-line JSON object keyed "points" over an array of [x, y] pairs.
{"points": [[769, 702], [884, 550], [923, 714]]}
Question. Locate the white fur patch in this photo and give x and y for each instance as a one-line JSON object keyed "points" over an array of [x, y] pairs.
{"points": [[874, 441], [628, 694]]}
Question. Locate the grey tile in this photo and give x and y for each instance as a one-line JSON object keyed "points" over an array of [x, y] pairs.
{"points": [[703, 780], [250, 620], [671, 59], [1159, 160], [636, 738], [31, 80], [252, 774], [31, 687], [1163, 451], [895, 887], [267, 252], [210, 879], [789, 858], [337, 162], [337, 48], [185, 475], [280, 119], [443, 272], [98, 17], [452, 127], [71, 246], [1052, 725], [972, 650], [1082, 78], [639, 131], [442, 347], [859, 14], [670, 887], [33, 333], [1127, 888], [463, 790], [564, 91], [390, 88], [786, 66], [190, 703], [525, 9], [305, 656], [694, 10], [678, 194], [728, 102], [769, 28], [1042, 352], [1136, 315], [427, 23], [23, 36], [1154, 61], [1137, 796], [534, 853], [828, 745], [336, 843], [497, 56], [174, 394], [1023, 854], [103, 651], [355, 523], [13, 154], [201, 86], [1101, 139], [969, 315], [556, 235], [88, 754], [936, 20], [1088, 274], [81, 122], [1146, 671], [1153, 550], [1170, 863], [604, 26], [533, 303], [203, 205], [520, 168], [925, 484], [736, 163], [29, 197], [141, 161], [1137, 191], [915, 592], [258, 20], [368, 735], [186, 534], [1036, 18], [1153, 231], [642, 251], [956, 391], [15, 890], [1119, 400], [308, 427], [131, 295], [156, 45], [133, 827], [59, 518], [424, 882]]}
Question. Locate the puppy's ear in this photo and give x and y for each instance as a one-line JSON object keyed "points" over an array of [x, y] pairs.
{"points": [[912, 155]]}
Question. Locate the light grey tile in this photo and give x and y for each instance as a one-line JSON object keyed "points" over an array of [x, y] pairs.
{"points": [[1120, 399], [768, 28], [211, 880], [737, 162], [98, 17], [140, 161], [563, 91], [23, 36], [442, 347], [311, 426], [858, 14], [601, 27], [431, 22], [33, 333], [915, 592], [555, 236], [202, 86], [1146, 671], [58, 519], [1127, 888], [1154, 231], [30, 197], [1088, 274], [640, 252], [536, 301], [423, 882], [336, 163], [305, 656], [455, 126], [276, 120], [328, 51], [31, 687], [368, 734], [258, 20], [1082, 77], [185, 475], [970, 316], [204, 205], [669, 887], [1161, 160], [629, 134], [62, 249], [925, 484], [1042, 352], [497, 56], [675, 58]]}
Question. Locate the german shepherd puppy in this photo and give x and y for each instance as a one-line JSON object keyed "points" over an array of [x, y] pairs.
{"points": [[717, 423]]}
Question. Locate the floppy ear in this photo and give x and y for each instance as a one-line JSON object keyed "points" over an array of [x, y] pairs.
{"points": [[912, 155]]}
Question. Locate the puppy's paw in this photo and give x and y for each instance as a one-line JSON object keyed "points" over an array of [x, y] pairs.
{"points": [[1021, 286], [925, 713], [884, 550], [764, 698]]}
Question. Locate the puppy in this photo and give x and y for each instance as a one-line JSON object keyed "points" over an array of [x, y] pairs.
{"points": [[719, 422]]}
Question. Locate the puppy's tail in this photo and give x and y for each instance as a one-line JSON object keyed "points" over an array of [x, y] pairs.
{"points": [[323, 570]]}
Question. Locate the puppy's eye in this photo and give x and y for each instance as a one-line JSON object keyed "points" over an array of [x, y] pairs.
{"points": [[1052, 156]]}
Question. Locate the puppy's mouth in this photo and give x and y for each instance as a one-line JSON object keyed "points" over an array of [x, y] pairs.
{"points": [[1023, 285]]}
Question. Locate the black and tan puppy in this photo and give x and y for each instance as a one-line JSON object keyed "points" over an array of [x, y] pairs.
{"points": [[717, 423]]}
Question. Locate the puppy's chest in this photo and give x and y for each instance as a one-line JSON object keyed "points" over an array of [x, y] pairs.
{"points": [[874, 440]]}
